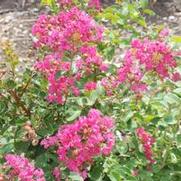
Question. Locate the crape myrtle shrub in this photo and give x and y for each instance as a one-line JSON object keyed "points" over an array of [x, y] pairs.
{"points": [[101, 103]]}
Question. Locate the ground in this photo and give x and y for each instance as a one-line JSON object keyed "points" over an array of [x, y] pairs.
{"points": [[16, 20]]}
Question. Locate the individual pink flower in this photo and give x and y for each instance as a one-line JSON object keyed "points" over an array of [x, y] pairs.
{"points": [[57, 174], [59, 88], [104, 67], [75, 91], [164, 33], [94, 4], [109, 84], [65, 2], [91, 61], [176, 76], [140, 87], [135, 172], [89, 86], [80, 142], [147, 141], [21, 168]]}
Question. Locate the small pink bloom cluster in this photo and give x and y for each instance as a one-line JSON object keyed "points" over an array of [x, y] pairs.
{"points": [[69, 39], [147, 141], [57, 174], [109, 83], [146, 56], [176, 76], [94, 4], [90, 86], [65, 2], [78, 143], [22, 169], [164, 33]]}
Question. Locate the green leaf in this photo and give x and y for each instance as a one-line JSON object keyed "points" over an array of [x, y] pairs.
{"points": [[46, 2], [94, 95], [2, 107], [177, 91], [142, 22], [74, 115], [149, 12], [129, 115], [51, 3], [58, 74], [173, 158], [21, 147], [149, 118], [109, 52], [6, 149], [143, 3], [75, 177], [176, 39], [172, 99], [170, 120], [114, 175], [10, 84], [96, 172], [125, 10]]}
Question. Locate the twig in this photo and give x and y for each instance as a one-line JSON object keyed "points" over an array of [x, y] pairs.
{"points": [[19, 102], [25, 87]]}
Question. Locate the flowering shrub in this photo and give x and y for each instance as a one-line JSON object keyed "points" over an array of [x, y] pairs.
{"points": [[101, 103]]}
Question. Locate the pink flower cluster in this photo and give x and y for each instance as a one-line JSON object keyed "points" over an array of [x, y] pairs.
{"points": [[110, 83], [90, 86], [147, 140], [65, 2], [68, 39], [94, 4], [146, 56], [57, 174], [66, 31], [78, 143], [22, 169]]}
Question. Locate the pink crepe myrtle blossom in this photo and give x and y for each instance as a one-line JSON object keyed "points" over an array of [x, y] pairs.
{"points": [[21, 168], [164, 33], [60, 88], [89, 63], [80, 142], [75, 32], [139, 87], [147, 141], [110, 84], [176, 76], [66, 30], [89, 86], [57, 174], [155, 55], [65, 2], [94, 4], [146, 56]]}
